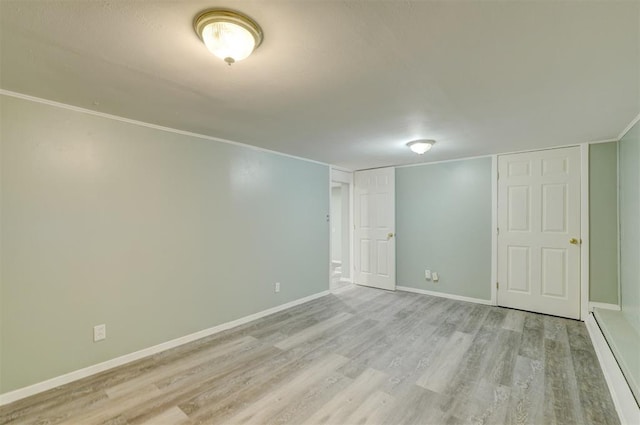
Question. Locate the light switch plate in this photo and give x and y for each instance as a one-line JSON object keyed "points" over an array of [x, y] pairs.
{"points": [[99, 333]]}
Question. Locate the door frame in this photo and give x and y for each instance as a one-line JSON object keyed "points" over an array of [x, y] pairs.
{"points": [[338, 175], [584, 226]]}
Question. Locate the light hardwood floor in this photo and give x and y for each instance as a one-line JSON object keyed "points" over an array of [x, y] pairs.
{"points": [[363, 356]]}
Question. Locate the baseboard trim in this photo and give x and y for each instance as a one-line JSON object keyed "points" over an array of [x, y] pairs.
{"points": [[606, 306], [444, 295], [626, 406], [39, 387]]}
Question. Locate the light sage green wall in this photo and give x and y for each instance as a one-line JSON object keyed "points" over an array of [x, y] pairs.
{"points": [[443, 223], [630, 225], [603, 222], [155, 234]]}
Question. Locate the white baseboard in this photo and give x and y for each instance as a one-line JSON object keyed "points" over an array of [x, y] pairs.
{"points": [[21, 393], [593, 304], [444, 295], [623, 399]]}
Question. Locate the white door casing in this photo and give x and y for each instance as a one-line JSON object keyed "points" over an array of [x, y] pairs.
{"points": [[346, 179], [539, 231], [375, 248]]}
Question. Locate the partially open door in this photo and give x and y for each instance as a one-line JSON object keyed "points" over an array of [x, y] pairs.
{"points": [[539, 231], [375, 217]]}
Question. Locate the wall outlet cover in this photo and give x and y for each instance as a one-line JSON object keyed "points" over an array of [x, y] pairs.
{"points": [[427, 274], [99, 333]]}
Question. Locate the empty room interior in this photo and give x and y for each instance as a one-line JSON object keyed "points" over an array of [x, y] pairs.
{"points": [[319, 212]]}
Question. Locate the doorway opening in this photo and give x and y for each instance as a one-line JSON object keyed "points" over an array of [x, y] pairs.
{"points": [[341, 273]]}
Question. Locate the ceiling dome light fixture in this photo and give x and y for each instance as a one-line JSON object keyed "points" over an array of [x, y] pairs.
{"points": [[229, 35], [421, 146]]}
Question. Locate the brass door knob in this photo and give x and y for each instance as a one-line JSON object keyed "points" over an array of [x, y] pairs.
{"points": [[390, 235], [574, 241]]}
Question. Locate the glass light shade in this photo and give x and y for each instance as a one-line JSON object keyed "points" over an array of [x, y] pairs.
{"points": [[228, 41], [420, 146], [228, 34]]}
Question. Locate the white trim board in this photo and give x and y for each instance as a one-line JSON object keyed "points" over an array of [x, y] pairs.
{"points": [[39, 387], [605, 306], [467, 158], [329, 219], [346, 177], [494, 230], [598, 142], [628, 127], [442, 161], [584, 231], [148, 125], [231, 142], [341, 176], [341, 169], [444, 295], [625, 403], [618, 227]]}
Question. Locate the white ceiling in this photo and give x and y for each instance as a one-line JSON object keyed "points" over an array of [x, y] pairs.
{"points": [[343, 82]]}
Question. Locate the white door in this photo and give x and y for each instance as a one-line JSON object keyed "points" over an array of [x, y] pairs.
{"points": [[375, 218], [539, 231]]}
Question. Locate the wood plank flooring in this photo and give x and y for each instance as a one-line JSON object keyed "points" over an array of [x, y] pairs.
{"points": [[363, 356]]}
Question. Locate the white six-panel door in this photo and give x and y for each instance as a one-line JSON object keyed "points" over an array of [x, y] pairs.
{"points": [[375, 248], [539, 231]]}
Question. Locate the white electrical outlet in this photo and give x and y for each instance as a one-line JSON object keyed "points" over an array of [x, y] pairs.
{"points": [[277, 287], [435, 277], [99, 333], [427, 274]]}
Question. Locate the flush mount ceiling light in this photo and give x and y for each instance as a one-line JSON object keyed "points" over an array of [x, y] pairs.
{"points": [[229, 35], [421, 146]]}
